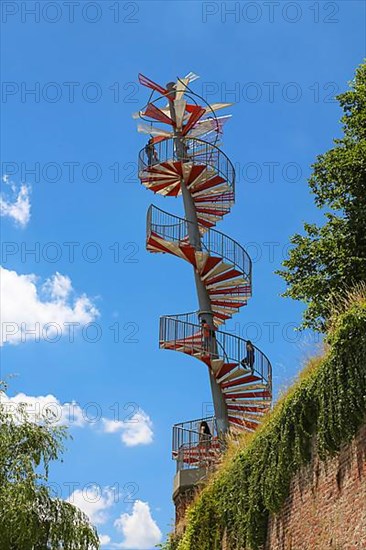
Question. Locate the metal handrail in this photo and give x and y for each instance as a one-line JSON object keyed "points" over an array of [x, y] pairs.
{"points": [[198, 152], [180, 331], [196, 422], [213, 241], [192, 449]]}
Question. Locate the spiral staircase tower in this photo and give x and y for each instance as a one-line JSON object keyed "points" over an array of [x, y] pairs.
{"points": [[183, 157]]}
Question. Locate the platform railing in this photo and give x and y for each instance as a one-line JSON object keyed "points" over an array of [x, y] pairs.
{"points": [[191, 448], [179, 331], [174, 229], [197, 151]]}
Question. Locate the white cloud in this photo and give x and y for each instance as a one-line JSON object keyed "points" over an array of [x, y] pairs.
{"points": [[104, 539], [139, 530], [59, 287], [45, 406], [15, 204], [94, 502], [44, 309], [135, 431]]}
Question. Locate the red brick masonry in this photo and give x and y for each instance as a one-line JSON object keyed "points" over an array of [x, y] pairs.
{"points": [[326, 509]]}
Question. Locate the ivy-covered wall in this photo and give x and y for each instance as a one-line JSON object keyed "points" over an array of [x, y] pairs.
{"points": [[326, 507], [324, 410]]}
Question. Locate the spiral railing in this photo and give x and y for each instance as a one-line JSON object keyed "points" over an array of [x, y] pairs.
{"points": [[183, 158], [208, 173], [193, 449], [184, 331], [175, 230], [228, 283], [198, 152]]}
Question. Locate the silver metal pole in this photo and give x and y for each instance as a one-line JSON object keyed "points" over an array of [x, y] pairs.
{"points": [[204, 301]]}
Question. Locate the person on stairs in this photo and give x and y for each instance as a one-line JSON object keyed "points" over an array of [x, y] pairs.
{"points": [[151, 153], [206, 335], [205, 432], [248, 361], [204, 443]]}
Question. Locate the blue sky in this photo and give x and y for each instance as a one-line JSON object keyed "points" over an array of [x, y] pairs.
{"points": [[282, 68]]}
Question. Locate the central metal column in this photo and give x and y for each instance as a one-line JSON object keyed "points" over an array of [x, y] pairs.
{"points": [[204, 301]]}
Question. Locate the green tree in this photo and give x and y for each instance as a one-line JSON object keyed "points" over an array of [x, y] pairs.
{"points": [[30, 518], [330, 259]]}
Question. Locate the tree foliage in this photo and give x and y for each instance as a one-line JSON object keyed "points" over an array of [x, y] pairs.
{"points": [[30, 518], [330, 259]]}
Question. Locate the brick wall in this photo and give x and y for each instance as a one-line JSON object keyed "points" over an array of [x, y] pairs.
{"points": [[326, 509], [181, 502]]}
